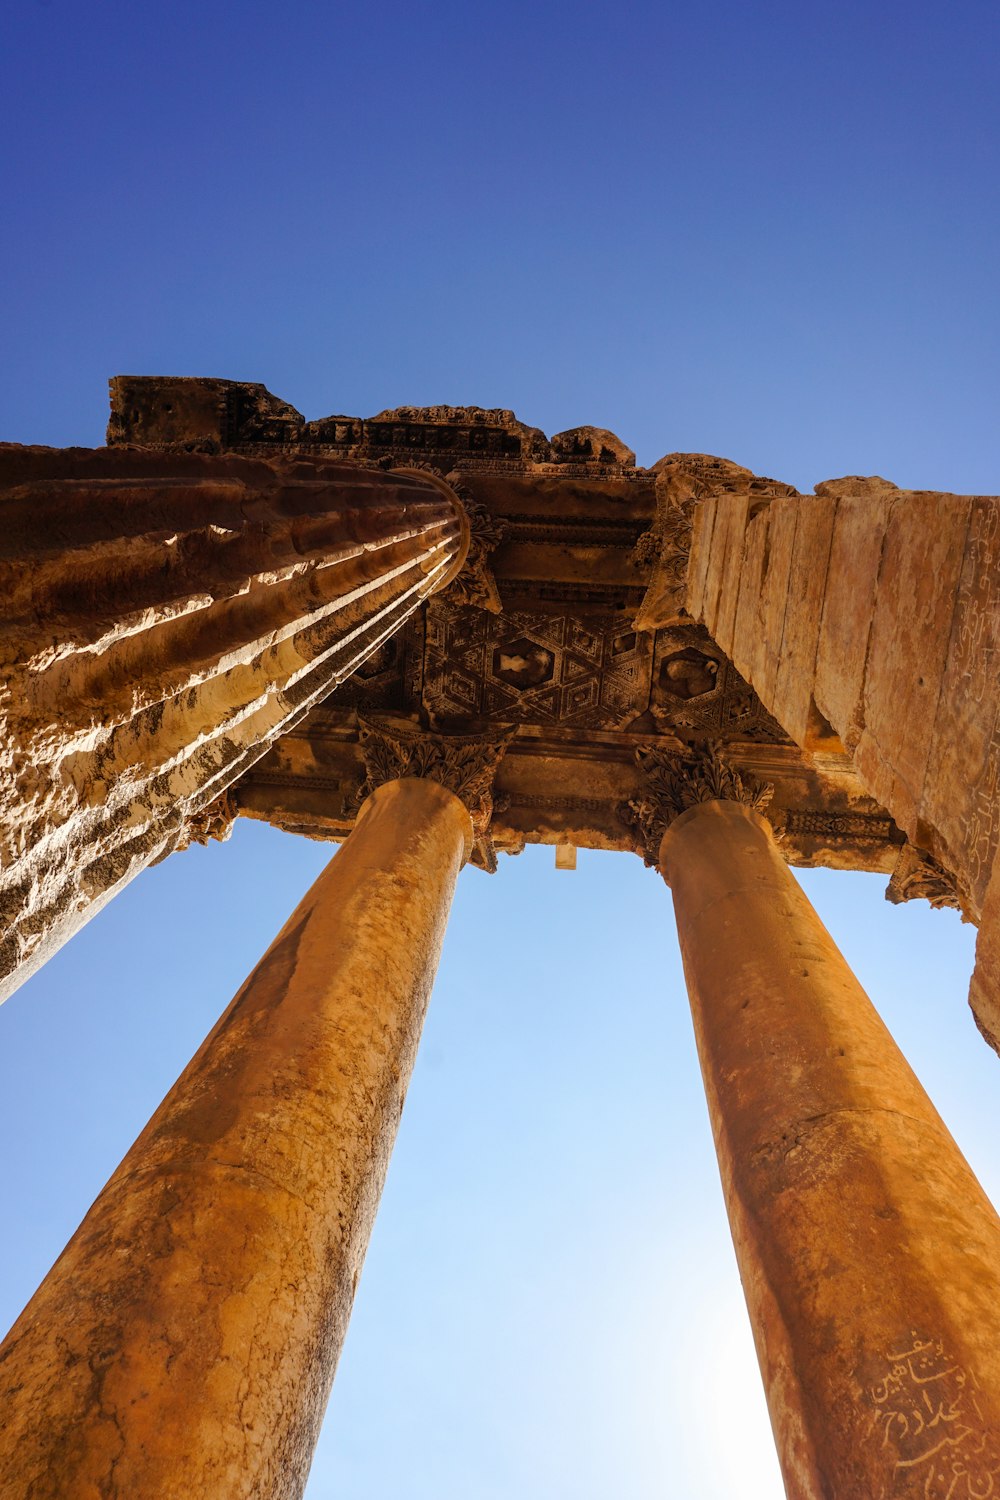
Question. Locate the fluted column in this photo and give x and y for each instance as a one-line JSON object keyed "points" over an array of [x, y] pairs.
{"points": [[869, 1254], [185, 1341], [166, 617]]}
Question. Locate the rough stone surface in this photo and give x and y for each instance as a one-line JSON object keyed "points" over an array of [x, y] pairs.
{"points": [[568, 622], [185, 1341], [868, 621], [167, 617], [961, 791], [849, 604], [984, 992], [646, 642], [922, 552], [869, 1254]]}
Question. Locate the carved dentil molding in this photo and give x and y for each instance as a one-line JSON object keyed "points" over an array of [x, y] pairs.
{"points": [[675, 783], [465, 764]]}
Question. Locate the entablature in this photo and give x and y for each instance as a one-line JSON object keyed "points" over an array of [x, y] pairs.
{"points": [[567, 625]]}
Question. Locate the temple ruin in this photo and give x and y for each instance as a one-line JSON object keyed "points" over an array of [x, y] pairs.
{"points": [[431, 637]]}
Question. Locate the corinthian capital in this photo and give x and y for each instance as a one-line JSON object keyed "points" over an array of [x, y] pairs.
{"points": [[465, 764], [676, 782]]}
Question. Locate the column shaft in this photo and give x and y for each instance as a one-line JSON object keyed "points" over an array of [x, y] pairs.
{"points": [[870, 1255], [167, 616], [185, 1341]]}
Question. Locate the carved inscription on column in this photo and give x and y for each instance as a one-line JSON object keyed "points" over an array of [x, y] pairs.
{"points": [[928, 1420], [677, 782], [465, 764]]}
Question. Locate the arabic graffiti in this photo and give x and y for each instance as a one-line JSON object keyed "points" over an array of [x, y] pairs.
{"points": [[928, 1414]]}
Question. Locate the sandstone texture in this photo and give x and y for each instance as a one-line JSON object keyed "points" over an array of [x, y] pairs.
{"points": [[167, 618], [869, 1254], [436, 634], [185, 1341], [868, 621], [568, 623]]}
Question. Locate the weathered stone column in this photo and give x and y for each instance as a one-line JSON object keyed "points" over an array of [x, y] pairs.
{"points": [[869, 1254], [166, 617], [185, 1341]]}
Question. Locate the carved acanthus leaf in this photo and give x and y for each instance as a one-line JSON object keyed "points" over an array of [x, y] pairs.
{"points": [[214, 821], [664, 551], [465, 764], [476, 584], [918, 876], [675, 783]]}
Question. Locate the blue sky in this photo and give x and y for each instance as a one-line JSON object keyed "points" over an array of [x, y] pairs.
{"points": [[767, 231]]}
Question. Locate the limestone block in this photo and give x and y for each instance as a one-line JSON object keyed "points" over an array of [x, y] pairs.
{"points": [[960, 804], [915, 601], [777, 572], [749, 648], [204, 415], [793, 685], [702, 531], [848, 605], [591, 445], [738, 507], [718, 560]]}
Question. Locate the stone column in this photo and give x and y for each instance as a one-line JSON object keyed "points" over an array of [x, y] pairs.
{"points": [[869, 1254], [166, 617], [185, 1341]]}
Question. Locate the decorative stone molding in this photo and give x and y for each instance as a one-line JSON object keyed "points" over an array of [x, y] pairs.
{"points": [[878, 828], [215, 821], [591, 445], [678, 782], [473, 584], [663, 551], [465, 764], [476, 584], [918, 876]]}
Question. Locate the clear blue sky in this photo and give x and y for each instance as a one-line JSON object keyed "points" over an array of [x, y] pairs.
{"points": [[767, 231]]}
